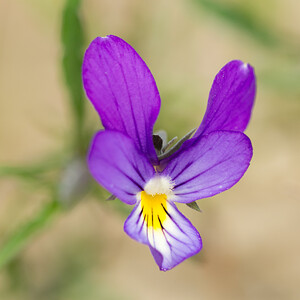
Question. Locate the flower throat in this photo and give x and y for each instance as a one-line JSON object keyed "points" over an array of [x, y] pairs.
{"points": [[154, 209]]}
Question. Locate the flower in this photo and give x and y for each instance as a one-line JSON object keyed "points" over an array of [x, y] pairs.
{"points": [[123, 159]]}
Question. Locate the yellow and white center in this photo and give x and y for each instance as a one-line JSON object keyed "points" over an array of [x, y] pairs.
{"points": [[154, 201], [154, 209]]}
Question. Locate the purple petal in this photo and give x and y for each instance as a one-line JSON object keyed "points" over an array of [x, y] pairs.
{"points": [[210, 165], [135, 225], [122, 90], [116, 163], [230, 100], [170, 244]]}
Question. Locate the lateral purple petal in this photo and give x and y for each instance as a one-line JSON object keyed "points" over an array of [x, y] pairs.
{"points": [[122, 89], [176, 239], [116, 163], [210, 165], [230, 100]]}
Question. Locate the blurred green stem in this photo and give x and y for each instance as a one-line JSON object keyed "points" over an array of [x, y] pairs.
{"points": [[72, 46], [17, 241], [72, 39], [34, 170]]}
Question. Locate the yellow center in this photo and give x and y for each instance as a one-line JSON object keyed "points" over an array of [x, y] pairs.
{"points": [[154, 209]]}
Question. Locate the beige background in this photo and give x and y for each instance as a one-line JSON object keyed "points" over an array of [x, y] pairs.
{"points": [[250, 233]]}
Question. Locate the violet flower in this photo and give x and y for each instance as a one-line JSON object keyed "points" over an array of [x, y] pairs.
{"points": [[123, 158]]}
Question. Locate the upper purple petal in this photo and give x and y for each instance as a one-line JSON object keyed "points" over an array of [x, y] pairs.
{"points": [[211, 164], [118, 165], [230, 100], [122, 89]]}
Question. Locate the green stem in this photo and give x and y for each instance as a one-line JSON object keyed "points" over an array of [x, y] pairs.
{"points": [[17, 241], [72, 38], [35, 169]]}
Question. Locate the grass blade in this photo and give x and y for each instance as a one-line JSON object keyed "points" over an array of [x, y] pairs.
{"points": [[72, 39], [17, 241]]}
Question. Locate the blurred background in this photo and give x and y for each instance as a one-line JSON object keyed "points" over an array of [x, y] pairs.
{"points": [[59, 238]]}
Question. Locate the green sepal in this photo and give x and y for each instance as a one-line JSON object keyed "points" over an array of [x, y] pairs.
{"points": [[194, 206], [111, 197], [177, 145]]}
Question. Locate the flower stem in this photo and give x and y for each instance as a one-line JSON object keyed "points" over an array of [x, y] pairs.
{"points": [[17, 241], [72, 38]]}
